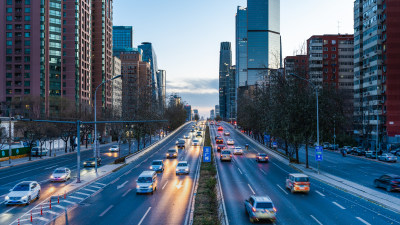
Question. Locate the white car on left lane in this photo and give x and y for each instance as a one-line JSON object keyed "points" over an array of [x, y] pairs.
{"points": [[23, 193], [114, 148]]}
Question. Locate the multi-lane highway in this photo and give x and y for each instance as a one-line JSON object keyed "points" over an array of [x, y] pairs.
{"points": [[41, 171], [323, 205], [118, 203]]}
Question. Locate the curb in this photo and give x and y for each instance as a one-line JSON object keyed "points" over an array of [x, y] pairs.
{"points": [[280, 158]]}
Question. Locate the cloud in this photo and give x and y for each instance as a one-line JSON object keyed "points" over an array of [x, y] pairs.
{"points": [[193, 86]]}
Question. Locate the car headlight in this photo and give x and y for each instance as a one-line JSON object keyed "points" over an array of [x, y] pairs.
{"points": [[24, 197], [151, 167], [7, 198], [187, 169], [51, 176], [63, 176], [137, 186], [93, 162], [151, 186]]}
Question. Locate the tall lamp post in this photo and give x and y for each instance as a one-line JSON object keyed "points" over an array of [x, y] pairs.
{"points": [[316, 94], [95, 119]]}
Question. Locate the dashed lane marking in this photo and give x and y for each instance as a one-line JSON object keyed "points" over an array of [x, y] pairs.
{"points": [[76, 197], [144, 216], [316, 220], [363, 221], [81, 193], [51, 212], [239, 170], [105, 211], [282, 189], [59, 206], [42, 219], [100, 183], [164, 185], [262, 171], [320, 193], [251, 189], [338, 205], [87, 189], [126, 192], [69, 202]]}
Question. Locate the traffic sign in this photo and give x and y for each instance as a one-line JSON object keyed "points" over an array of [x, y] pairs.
{"points": [[318, 153], [267, 138], [206, 154]]}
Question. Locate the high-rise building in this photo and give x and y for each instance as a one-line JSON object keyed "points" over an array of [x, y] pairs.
{"points": [[188, 109], [162, 89], [231, 94], [102, 52], [46, 56], [225, 63], [241, 47], [149, 56], [263, 38], [136, 85], [376, 72], [117, 89], [212, 114], [217, 111], [122, 39], [196, 112]]}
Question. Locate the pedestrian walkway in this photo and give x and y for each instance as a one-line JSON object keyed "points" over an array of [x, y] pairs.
{"points": [[54, 153]]}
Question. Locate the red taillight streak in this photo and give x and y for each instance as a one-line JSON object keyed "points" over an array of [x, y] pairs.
{"points": [[254, 209]]}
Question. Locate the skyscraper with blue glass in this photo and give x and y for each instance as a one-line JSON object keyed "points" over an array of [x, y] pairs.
{"points": [[149, 56], [263, 39], [122, 39]]}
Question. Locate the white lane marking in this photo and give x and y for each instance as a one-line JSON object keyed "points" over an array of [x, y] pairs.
{"points": [[42, 218], [126, 192], [337, 204], [280, 167], [8, 210], [81, 193], [100, 183], [141, 221], [95, 186], [50, 167], [127, 172], [105, 211], [282, 189], [164, 185], [69, 202], [76, 197], [316, 220], [87, 189], [51, 212], [262, 171], [239, 170], [122, 185], [59, 206], [320, 193], [363, 221], [251, 189], [179, 185], [115, 180]]}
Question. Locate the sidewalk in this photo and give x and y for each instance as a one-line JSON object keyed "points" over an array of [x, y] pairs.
{"points": [[55, 153], [369, 194]]}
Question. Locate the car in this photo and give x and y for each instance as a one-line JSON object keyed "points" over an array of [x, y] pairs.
{"points": [[92, 162], [347, 149], [220, 128], [227, 133], [220, 147], [23, 193], [157, 165], [262, 157], [195, 142], [395, 151], [219, 141], [390, 182], [61, 174], [192, 131], [36, 151], [172, 153], [387, 157], [230, 142], [325, 145], [260, 208], [146, 182], [182, 168], [180, 143], [226, 155], [186, 136], [199, 134], [238, 150], [114, 148], [217, 136], [298, 182], [358, 151], [370, 154], [211, 123]]}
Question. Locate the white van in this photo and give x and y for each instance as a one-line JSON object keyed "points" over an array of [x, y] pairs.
{"points": [[147, 182]]}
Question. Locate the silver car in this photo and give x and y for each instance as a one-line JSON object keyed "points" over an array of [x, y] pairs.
{"points": [[157, 165], [387, 157], [61, 174], [23, 193]]}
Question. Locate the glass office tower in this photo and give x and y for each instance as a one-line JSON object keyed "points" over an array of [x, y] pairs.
{"points": [[241, 47], [263, 38], [122, 39]]}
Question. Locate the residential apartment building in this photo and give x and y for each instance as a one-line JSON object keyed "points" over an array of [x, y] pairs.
{"points": [[45, 56], [102, 52], [296, 65], [117, 89], [225, 63], [331, 63], [376, 72]]}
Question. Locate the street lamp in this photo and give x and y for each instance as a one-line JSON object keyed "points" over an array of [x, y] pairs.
{"points": [[95, 118], [316, 94]]}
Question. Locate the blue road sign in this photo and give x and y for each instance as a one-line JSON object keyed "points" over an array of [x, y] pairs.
{"points": [[206, 154], [267, 138], [318, 153], [274, 144]]}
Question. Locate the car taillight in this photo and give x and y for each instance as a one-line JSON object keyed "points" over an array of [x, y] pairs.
{"points": [[266, 157], [254, 209]]}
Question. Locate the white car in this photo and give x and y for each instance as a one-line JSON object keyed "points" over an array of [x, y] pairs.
{"points": [[186, 136], [114, 148], [61, 174], [238, 150], [230, 142], [182, 168], [196, 142], [23, 193]]}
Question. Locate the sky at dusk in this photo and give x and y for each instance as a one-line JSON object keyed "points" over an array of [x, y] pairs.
{"points": [[186, 35]]}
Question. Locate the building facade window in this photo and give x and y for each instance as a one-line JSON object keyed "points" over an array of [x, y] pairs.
{"points": [[9, 18], [27, 43], [27, 18], [9, 27], [27, 10], [27, 34], [9, 10], [27, 26]]}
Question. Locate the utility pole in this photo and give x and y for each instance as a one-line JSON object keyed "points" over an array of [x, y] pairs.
{"points": [[9, 136]]}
